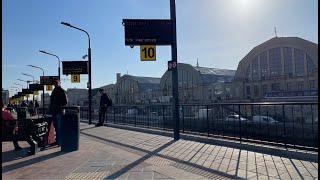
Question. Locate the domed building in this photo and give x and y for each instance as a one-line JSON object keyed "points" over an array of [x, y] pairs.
{"points": [[282, 67], [199, 84], [135, 89]]}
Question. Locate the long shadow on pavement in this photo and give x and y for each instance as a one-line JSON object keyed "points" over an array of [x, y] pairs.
{"points": [[31, 161], [14, 155], [154, 153]]}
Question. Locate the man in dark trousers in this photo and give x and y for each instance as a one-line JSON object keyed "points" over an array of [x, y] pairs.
{"points": [[57, 100], [103, 107]]}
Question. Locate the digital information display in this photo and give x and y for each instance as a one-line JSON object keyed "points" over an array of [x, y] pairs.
{"points": [[147, 32], [48, 80], [74, 67]]}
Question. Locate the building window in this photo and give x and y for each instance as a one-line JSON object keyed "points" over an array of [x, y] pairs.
{"points": [[264, 65], [248, 90], [275, 62], [255, 73], [300, 85], [310, 66], [248, 73], [256, 90], [264, 89], [289, 86], [312, 84], [275, 87], [299, 62], [287, 57]]}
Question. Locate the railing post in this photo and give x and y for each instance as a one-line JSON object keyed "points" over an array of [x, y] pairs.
{"points": [[284, 126], [182, 119], [208, 120], [239, 123], [163, 119]]}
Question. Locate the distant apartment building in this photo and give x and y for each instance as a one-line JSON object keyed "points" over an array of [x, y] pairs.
{"points": [[78, 97], [135, 89], [282, 67], [199, 84]]}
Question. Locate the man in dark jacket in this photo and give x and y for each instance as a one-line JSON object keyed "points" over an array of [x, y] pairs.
{"points": [[57, 100], [103, 107]]}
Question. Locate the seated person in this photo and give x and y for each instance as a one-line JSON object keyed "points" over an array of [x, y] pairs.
{"points": [[7, 116]]}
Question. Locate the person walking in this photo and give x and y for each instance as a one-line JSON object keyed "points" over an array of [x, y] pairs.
{"points": [[8, 119], [36, 106], [31, 108], [58, 99], [103, 107]]}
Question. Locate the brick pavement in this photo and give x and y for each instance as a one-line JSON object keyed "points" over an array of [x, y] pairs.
{"points": [[113, 153]]}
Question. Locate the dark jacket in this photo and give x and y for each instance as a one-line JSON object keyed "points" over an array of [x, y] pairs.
{"points": [[57, 100], [103, 100]]}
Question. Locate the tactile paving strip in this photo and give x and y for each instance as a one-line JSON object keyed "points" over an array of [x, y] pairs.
{"points": [[159, 161], [87, 175]]}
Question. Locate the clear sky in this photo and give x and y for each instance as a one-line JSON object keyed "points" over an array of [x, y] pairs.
{"points": [[217, 32]]}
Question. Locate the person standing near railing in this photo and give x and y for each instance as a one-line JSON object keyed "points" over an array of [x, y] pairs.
{"points": [[104, 102]]}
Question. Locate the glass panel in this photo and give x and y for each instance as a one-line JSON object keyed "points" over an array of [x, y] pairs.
{"points": [[275, 62], [299, 62], [287, 57]]}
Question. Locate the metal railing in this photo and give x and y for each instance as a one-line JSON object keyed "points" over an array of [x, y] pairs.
{"points": [[292, 124]]}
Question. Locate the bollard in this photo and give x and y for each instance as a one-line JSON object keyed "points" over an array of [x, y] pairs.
{"points": [[21, 112], [70, 128]]}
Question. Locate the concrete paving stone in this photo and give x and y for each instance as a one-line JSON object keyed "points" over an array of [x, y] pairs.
{"points": [[314, 173], [207, 164], [240, 173], [262, 170], [223, 168], [252, 175], [285, 176]]}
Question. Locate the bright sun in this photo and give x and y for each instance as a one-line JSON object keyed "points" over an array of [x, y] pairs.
{"points": [[244, 2]]}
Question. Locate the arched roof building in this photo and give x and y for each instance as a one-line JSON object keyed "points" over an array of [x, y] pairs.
{"points": [[198, 83], [281, 66], [132, 89]]}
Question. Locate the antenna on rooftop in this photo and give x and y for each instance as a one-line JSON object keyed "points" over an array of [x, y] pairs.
{"points": [[275, 31], [197, 63]]}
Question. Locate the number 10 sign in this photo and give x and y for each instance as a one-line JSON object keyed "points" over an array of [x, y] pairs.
{"points": [[148, 52]]}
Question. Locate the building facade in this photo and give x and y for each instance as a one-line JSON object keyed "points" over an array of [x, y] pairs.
{"points": [[135, 90], [199, 84], [78, 97], [284, 67]]}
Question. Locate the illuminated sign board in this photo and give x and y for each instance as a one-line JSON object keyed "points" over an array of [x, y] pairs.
{"points": [[74, 67], [36, 87], [147, 31], [27, 91], [48, 80]]}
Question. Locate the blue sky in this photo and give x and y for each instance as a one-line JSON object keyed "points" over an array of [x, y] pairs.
{"points": [[217, 32]]}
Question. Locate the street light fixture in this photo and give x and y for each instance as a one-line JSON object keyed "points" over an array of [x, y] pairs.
{"points": [[56, 57], [89, 59], [32, 82], [27, 87], [42, 87]]}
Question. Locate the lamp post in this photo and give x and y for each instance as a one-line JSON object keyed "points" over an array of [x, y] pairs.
{"points": [[42, 87], [21, 89], [58, 61], [27, 87], [89, 59]]}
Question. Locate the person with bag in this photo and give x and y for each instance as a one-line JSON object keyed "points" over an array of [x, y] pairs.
{"points": [[58, 99], [105, 102], [8, 118]]}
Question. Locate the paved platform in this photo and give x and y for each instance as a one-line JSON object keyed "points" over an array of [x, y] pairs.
{"points": [[113, 153]]}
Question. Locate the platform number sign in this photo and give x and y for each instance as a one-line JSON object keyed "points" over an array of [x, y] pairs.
{"points": [[75, 78], [35, 93], [148, 52], [48, 87]]}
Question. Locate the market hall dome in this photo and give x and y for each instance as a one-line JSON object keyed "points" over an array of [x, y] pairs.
{"points": [[281, 64]]}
